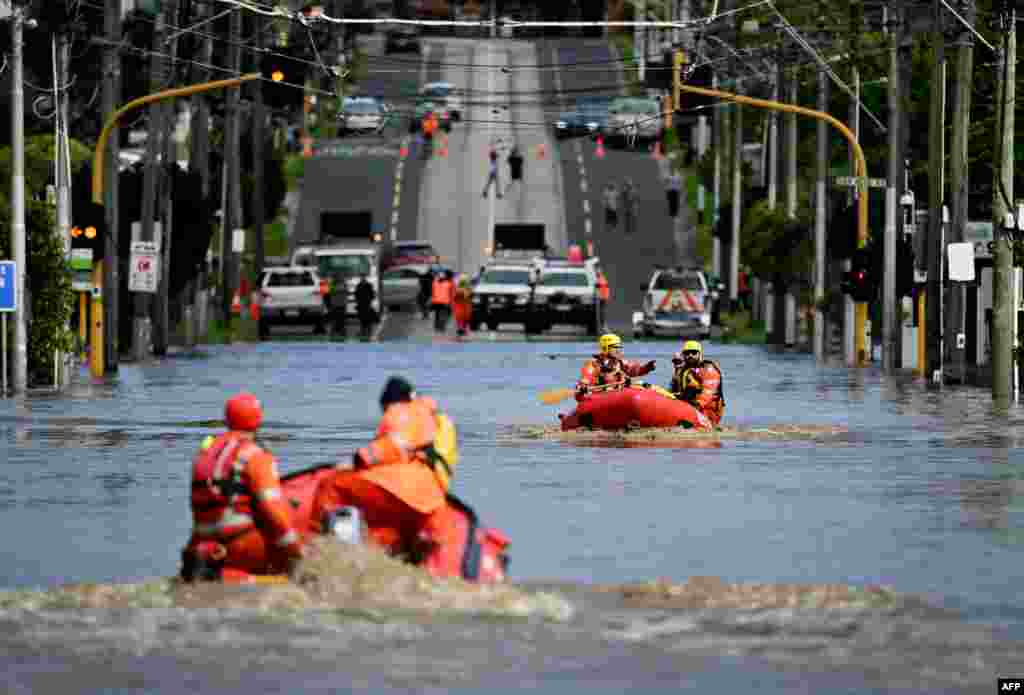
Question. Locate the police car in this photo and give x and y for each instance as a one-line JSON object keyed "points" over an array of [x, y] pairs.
{"points": [[676, 302]]}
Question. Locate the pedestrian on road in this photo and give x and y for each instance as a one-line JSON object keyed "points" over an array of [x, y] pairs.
{"points": [[426, 285], [365, 294], [442, 296], [492, 174], [632, 131], [515, 165], [673, 185], [611, 207], [630, 206]]}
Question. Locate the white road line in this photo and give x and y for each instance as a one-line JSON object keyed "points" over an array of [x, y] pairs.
{"points": [[394, 217], [579, 157], [586, 206], [583, 185], [586, 226]]}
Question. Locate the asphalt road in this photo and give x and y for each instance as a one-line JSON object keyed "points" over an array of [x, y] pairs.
{"points": [[586, 67]]}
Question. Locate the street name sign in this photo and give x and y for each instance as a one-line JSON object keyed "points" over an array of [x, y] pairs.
{"points": [[851, 180], [8, 276]]}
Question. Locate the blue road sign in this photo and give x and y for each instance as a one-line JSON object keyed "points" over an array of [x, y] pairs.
{"points": [[7, 285]]}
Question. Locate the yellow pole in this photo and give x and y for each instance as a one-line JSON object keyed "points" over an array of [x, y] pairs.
{"points": [[860, 168], [83, 319], [96, 353], [101, 143], [921, 354]]}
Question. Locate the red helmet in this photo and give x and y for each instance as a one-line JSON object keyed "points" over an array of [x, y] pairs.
{"points": [[243, 412]]}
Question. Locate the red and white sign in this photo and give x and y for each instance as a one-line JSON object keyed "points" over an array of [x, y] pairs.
{"points": [[680, 300], [144, 267]]}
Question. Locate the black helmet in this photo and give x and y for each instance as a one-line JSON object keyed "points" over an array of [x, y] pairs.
{"points": [[396, 390]]}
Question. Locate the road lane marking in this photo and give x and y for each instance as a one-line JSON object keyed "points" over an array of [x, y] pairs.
{"points": [[586, 206], [586, 226], [583, 185]]}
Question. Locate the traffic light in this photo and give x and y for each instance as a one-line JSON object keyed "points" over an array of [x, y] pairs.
{"points": [[904, 267], [88, 230], [283, 77], [859, 281]]}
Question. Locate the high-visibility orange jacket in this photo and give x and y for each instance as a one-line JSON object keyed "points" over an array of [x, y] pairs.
{"points": [[429, 125], [236, 502], [701, 386], [442, 292], [603, 291], [463, 305], [605, 370]]}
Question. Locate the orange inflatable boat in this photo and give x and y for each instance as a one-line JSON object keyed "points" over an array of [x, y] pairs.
{"points": [[634, 406]]}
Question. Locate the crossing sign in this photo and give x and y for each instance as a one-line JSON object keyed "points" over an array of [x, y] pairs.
{"points": [[8, 278]]}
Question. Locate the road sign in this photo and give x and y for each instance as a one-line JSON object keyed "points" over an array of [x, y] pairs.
{"points": [[144, 267], [851, 180], [238, 241], [8, 279]]}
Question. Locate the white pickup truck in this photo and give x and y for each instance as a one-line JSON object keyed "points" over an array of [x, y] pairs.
{"points": [[290, 295]]}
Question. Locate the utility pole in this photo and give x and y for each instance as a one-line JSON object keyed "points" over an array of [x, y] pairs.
{"points": [[820, 208], [936, 196], [737, 202], [718, 136], [639, 39], [258, 129], [111, 268], [773, 134], [143, 334], [788, 316], [1003, 299], [958, 181], [228, 262], [199, 161], [890, 302], [19, 366], [165, 199], [62, 167]]}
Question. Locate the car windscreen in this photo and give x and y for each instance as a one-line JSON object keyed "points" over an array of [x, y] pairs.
{"points": [[564, 280], [362, 108], [343, 265], [634, 106], [437, 92], [677, 282], [505, 276], [301, 279], [417, 250]]}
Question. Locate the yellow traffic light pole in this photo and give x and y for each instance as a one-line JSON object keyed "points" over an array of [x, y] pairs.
{"points": [[96, 357], [860, 168]]}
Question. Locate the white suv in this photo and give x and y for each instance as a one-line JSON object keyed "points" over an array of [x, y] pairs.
{"points": [[676, 302], [503, 295], [290, 295], [566, 293]]}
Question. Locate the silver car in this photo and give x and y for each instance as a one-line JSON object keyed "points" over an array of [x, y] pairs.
{"points": [[362, 115], [400, 286], [639, 117]]}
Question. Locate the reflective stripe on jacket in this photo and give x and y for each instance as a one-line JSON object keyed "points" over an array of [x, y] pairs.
{"points": [[701, 386], [236, 489]]}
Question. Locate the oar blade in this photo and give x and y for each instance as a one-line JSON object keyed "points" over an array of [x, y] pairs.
{"points": [[555, 396]]}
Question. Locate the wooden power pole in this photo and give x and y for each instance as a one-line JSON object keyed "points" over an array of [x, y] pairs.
{"points": [[111, 201], [1003, 301], [936, 199]]}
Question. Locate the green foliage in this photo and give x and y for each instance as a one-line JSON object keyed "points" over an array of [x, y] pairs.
{"points": [[741, 329], [294, 167], [775, 247], [48, 281]]}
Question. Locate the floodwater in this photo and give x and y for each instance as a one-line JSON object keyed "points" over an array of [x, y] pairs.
{"points": [[906, 503]]}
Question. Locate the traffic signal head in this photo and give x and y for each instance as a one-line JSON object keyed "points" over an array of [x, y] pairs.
{"points": [[859, 282], [283, 77], [89, 229]]}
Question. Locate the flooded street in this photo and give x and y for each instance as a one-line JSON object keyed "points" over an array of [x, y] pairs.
{"points": [[882, 484]]}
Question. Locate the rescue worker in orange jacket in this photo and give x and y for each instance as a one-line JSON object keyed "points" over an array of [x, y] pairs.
{"points": [[441, 297], [698, 381], [608, 368], [240, 520], [392, 481], [462, 306]]}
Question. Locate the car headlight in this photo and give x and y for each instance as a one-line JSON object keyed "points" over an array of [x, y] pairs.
{"points": [[588, 299], [561, 124], [523, 299], [540, 299], [705, 320], [478, 300], [592, 125]]}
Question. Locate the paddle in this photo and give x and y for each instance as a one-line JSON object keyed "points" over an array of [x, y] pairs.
{"points": [[558, 395]]}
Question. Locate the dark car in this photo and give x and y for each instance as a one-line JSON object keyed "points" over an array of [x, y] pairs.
{"points": [[410, 253], [403, 38], [588, 117]]}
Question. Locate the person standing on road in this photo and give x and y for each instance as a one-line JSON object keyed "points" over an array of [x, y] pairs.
{"points": [[673, 185], [630, 206], [515, 165], [492, 174], [365, 294], [611, 207], [442, 296], [463, 306], [426, 285]]}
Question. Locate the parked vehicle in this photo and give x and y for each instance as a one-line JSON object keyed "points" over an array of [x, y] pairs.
{"points": [[361, 114], [445, 94], [589, 116], [676, 302], [400, 285], [565, 293], [409, 253], [425, 106], [629, 114], [503, 294], [402, 38], [290, 295]]}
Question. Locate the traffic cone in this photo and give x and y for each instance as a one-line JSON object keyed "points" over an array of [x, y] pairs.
{"points": [[403, 151], [590, 249], [542, 151], [656, 150], [236, 305], [254, 306], [600, 147]]}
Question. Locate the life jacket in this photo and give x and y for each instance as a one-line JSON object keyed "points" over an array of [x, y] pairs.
{"points": [[609, 370], [222, 504], [691, 384], [442, 292]]}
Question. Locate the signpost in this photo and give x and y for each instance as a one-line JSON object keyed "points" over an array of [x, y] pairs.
{"points": [[144, 267], [8, 304], [81, 270]]}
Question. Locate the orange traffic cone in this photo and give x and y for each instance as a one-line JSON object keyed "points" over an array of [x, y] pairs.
{"points": [[656, 150], [600, 147], [403, 151], [542, 151], [590, 249], [236, 305], [254, 306]]}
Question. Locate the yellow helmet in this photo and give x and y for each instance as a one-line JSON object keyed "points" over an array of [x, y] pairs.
{"points": [[693, 345], [609, 342]]}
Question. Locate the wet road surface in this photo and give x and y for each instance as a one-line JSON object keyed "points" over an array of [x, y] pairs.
{"points": [[922, 493]]}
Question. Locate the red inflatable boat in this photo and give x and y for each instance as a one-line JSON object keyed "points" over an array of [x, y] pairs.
{"points": [[634, 407], [461, 547]]}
